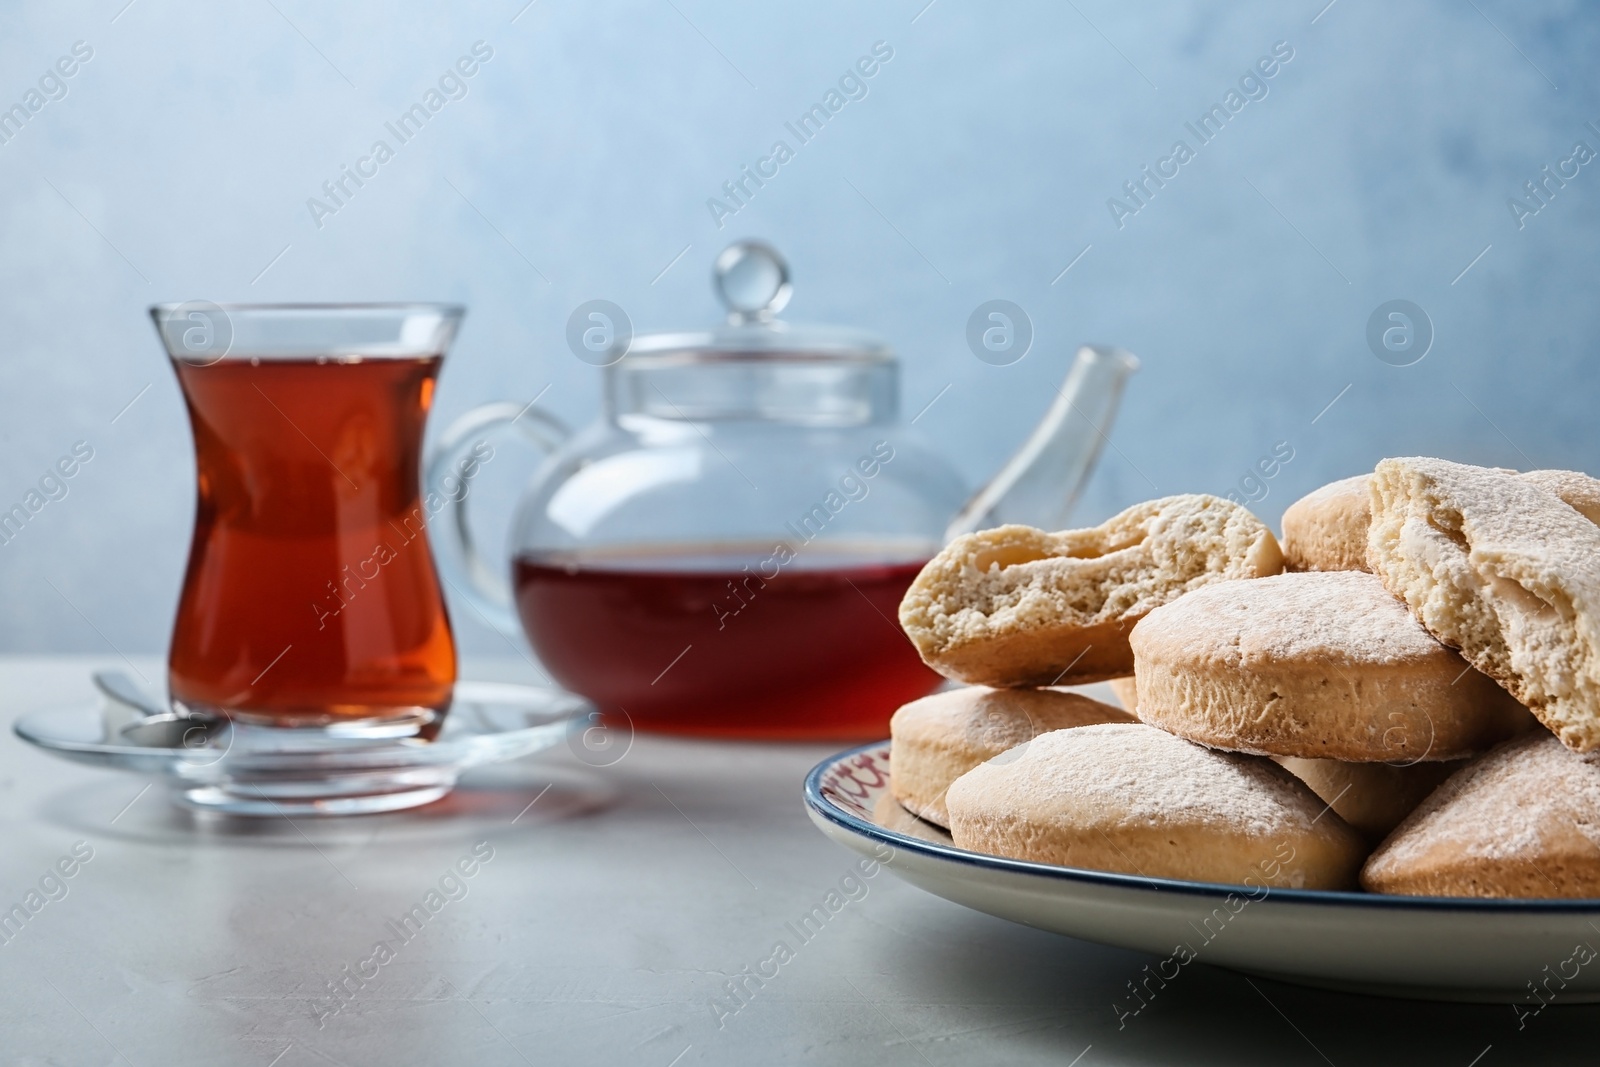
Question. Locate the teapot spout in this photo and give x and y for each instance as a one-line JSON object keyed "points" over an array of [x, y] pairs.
{"points": [[1040, 484]]}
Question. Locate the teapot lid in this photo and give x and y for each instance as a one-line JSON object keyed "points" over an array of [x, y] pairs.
{"points": [[752, 280]]}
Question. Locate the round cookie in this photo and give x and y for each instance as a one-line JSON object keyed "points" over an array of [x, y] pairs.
{"points": [[941, 737], [1521, 821], [1326, 530], [1321, 665], [1134, 799], [1016, 606], [1372, 797]]}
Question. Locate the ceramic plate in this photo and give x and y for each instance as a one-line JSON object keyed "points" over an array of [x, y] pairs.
{"points": [[1429, 948], [242, 770]]}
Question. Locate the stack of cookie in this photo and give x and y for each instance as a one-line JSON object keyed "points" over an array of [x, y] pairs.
{"points": [[1362, 704]]}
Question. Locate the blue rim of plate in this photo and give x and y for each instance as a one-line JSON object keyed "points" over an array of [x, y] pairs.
{"points": [[830, 811]]}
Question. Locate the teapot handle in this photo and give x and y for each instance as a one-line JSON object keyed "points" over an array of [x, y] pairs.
{"points": [[453, 461]]}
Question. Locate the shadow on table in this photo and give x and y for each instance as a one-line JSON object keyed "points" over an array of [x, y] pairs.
{"points": [[989, 989]]}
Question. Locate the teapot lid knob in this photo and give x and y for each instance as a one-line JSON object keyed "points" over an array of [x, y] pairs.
{"points": [[752, 280]]}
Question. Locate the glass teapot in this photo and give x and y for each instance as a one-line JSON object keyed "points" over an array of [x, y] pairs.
{"points": [[724, 551]]}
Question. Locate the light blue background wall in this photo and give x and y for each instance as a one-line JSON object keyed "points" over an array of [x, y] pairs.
{"points": [[979, 165]]}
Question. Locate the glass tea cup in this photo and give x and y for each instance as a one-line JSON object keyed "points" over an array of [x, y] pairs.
{"points": [[310, 599]]}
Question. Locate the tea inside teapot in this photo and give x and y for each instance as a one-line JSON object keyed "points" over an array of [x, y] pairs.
{"points": [[742, 640]]}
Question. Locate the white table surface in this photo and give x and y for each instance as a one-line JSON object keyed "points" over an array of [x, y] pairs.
{"points": [[609, 917]]}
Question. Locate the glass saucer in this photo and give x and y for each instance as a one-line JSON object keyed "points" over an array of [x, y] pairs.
{"points": [[253, 770]]}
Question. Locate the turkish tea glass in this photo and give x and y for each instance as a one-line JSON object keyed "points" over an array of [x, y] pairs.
{"points": [[310, 598]]}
